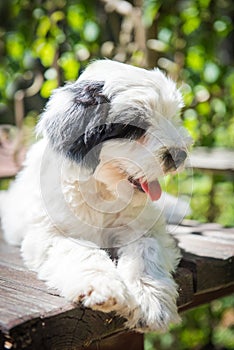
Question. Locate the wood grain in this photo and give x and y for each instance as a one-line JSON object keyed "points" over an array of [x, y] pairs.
{"points": [[212, 159], [34, 317]]}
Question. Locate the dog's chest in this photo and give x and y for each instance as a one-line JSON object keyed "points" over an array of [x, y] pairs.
{"points": [[100, 213]]}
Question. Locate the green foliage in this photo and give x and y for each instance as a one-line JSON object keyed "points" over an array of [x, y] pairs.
{"points": [[4, 184], [197, 35], [37, 37], [206, 327]]}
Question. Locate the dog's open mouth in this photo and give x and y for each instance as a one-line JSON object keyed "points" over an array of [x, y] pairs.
{"points": [[152, 188]]}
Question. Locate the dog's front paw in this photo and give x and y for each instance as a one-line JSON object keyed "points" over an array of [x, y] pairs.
{"points": [[103, 293], [155, 308]]}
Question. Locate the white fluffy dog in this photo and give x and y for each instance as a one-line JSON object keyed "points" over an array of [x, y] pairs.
{"points": [[82, 208]]}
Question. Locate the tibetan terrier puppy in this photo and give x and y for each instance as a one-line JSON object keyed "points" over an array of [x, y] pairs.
{"points": [[84, 207]]}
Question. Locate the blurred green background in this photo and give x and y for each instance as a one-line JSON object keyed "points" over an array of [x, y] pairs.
{"points": [[45, 43]]}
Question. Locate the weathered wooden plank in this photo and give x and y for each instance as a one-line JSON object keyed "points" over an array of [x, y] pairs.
{"points": [[205, 246], [15, 275], [9, 254], [184, 279], [12, 153], [2, 340], [212, 159], [32, 317], [75, 329], [207, 297], [205, 240], [194, 227], [27, 303], [130, 341], [208, 251], [209, 273]]}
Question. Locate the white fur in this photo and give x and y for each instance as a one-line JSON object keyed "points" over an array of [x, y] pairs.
{"points": [[62, 215]]}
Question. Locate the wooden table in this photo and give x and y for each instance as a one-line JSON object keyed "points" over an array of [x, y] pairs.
{"points": [[33, 317], [213, 160]]}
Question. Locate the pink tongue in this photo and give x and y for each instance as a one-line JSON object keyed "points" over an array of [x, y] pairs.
{"points": [[153, 189]]}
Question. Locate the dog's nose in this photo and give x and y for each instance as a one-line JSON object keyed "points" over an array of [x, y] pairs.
{"points": [[173, 158]]}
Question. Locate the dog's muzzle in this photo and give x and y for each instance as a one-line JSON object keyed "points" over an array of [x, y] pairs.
{"points": [[173, 158]]}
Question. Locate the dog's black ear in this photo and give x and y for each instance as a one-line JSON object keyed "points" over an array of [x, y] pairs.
{"points": [[132, 128], [76, 122], [111, 131], [72, 113]]}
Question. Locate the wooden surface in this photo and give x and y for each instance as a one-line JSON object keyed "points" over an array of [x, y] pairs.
{"points": [[212, 159], [12, 152], [208, 254], [33, 317]]}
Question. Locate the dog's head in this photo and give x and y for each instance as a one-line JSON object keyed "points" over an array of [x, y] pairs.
{"points": [[121, 123]]}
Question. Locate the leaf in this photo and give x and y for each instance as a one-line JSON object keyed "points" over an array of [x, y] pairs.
{"points": [[75, 17], [45, 50], [191, 123], [203, 108], [3, 79], [57, 16], [150, 10], [91, 31], [15, 45], [43, 27], [191, 25], [211, 72], [70, 65], [47, 87], [195, 58]]}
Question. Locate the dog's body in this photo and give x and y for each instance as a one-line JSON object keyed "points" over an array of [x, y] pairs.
{"points": [[86, 190]]}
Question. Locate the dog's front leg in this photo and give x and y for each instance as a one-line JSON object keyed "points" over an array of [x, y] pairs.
{"points": [[78, 269], [146, 267]]}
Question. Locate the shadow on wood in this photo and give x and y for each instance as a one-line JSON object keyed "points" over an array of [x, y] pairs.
{"points": [[33, 317]]}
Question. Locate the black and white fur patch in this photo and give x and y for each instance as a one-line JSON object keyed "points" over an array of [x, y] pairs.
{"points": [[78, 132]]}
